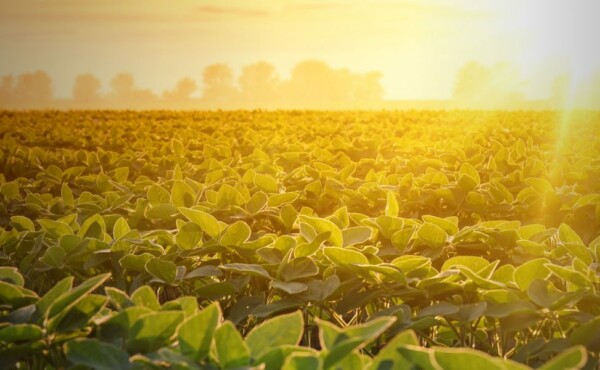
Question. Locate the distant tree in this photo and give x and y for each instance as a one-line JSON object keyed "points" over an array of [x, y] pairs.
{"points": [[259, 83], [7, 86], [471, 81], [122, 84], [479, 86], [182, 91], [86, 89], [33, 89], [126, 95], [218, 85]]}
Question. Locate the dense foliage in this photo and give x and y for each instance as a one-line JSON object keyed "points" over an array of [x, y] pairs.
{"points": [[300, 240]]}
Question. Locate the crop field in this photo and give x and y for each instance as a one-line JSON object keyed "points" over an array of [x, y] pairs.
{"points": [[299, 240]]}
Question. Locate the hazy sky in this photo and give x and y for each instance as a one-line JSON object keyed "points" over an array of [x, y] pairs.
{"points": [[417, 44]]}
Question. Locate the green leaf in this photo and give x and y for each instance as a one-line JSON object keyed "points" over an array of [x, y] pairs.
{"points": [[96, 354], [432, 235], [144, 296], [120, 228], [257, 202], [153, 331], [303, 361], [20, 332], [207, 222], [321, 225], [573, 358], [356, 235], [587, 335], [342, 257], [11, 275], [230, 349], [474, 263], [466, 358], [298, 268], [247, 269], [277, 200], [162, 269], [188, 236], [55, 228], [279, 331], [79, 315], [68, 299], [526, 273], [135, 262], [290, 287], [267, 183], [67, 195], [389, 357], [93, 227], [195, 335], [54, 257], [157, 195], [391, 207], [22, 223], [161, 211], [236, 234], [568, 235], [182, 194]]}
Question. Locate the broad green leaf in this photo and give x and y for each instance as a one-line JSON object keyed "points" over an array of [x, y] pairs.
{"points": [[245, 268], [20, 332], [230, 349], [157, 194], [356, 235], [54, 257], [321, 225], [153, 331], [432, 235], [22, 223], [341, 256], [526, 273], [120, 228], [303, 361], [568, 235], [290, 287], [195, 335], [207, 222], [266, 183], [279, 331], [162, 269], [474, 263], [144, 296], [55, 228], [391, 207], [573, 358], [96, 354], [236, 234], [11, 275], [277, 200], [188, 236]]}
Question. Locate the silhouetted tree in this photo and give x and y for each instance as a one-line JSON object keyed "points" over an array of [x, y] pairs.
{"points": [[479, 86], [86, 89], [218, 85], [33, 89], [259, 83], [126, 95], [7, 87], [182, 91], [122, 84]]}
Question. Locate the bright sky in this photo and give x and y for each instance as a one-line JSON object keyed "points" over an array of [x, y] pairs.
{"points": [[418, 45]]}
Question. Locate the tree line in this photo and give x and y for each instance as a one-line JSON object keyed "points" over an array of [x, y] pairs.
{"points": [[313, 84]]}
